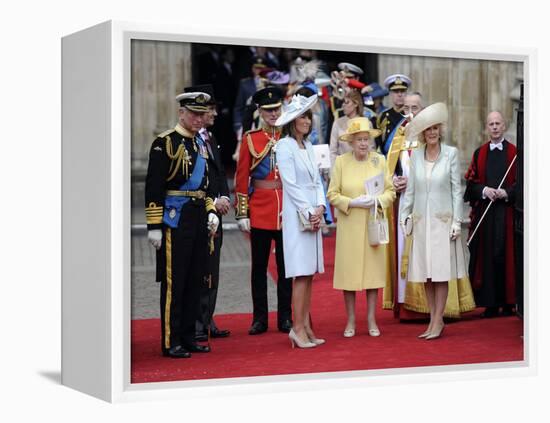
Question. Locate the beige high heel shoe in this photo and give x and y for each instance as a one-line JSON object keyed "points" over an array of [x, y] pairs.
{"points": [[374, 331], [349, 333], [294, 340], [435, 334], [317, 341], [425, 334]]}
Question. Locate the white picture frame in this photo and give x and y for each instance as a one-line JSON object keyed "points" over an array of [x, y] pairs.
{"points": [[96, 303]]}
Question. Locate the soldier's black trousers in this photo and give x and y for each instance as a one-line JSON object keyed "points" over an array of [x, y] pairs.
{"points": [[260, 246], [184, 254]]}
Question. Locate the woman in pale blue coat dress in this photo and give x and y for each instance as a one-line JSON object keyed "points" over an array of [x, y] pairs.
{"points": [[302, 195], [433, 202]]}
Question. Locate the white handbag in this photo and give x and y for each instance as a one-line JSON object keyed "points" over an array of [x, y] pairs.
{"points": [[377, 226], [305, 224]]}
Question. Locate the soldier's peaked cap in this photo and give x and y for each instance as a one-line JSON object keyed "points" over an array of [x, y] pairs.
{"points": [[350, 68], [397, 81], [196, 101], [204, 88], [268, 98]]}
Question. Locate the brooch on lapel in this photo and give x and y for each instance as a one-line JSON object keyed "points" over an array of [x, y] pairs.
{"points": [[375, 161]]}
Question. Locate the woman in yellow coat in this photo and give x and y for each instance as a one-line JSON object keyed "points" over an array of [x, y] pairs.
{"points": [[358, 265]]}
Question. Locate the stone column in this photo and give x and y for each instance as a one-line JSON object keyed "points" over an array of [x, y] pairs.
{"points": [[160, 71], [470, 88]]}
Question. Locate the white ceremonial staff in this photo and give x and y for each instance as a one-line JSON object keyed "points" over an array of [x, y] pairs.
{"points": [[492, 201]]}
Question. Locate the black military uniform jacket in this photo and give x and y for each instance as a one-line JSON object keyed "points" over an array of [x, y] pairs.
{"points": [[386, 122], [217, 177], [171, 162]]}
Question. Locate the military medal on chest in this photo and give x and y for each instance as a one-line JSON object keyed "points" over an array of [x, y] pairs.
{"points": [[186, 162]]}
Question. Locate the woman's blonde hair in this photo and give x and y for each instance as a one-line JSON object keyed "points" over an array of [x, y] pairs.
{"points": [[442, 133], [357, 98]]}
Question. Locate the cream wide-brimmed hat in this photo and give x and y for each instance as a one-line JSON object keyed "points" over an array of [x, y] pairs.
{"points": [[297, 107], [432, 115], [359, 124]]}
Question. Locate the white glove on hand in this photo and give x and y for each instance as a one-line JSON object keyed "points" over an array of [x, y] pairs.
{"points": [[155, 238], [244, 224], [363, 201], [455, 231], [403, 228], [406, 226], [213, 223]]}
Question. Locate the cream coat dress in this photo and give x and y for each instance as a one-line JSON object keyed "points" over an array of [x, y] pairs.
{"points": [[302, 193], [358, 265], [434, 199]]}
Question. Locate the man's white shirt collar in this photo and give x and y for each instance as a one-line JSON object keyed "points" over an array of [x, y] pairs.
{"points": [[498, 145]]}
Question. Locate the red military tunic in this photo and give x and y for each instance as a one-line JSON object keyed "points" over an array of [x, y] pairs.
{"points": [[263, 205]]}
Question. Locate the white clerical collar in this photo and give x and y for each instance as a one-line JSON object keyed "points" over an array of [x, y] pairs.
{"points": [[493, 145]]}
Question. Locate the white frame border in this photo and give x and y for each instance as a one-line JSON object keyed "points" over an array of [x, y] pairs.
{"points": [[121, 389]]}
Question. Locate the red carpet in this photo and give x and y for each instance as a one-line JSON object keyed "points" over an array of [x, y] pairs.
{"points": [[470, 340]]}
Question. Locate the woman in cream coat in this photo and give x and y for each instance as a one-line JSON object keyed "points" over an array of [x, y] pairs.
{"points": [[358, 265], [302, 195], [433, 200]]}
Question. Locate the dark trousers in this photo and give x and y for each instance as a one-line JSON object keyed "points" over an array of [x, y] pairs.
{"points": [[184, 255], [209, 294], [260, 247]]}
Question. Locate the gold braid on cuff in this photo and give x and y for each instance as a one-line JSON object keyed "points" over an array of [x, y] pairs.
{"points": [[154, 213], [242, 206]]}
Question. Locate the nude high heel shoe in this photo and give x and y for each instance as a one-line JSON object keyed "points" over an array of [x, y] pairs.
{"points": [[435, 334], [294, 340], [425, 334], [317, 341]]}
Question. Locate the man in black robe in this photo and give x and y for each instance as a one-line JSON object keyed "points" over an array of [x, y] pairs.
{"points": [[492, 264]]}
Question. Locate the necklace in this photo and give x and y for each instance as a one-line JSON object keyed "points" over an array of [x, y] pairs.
{"points": [[428, 159]]}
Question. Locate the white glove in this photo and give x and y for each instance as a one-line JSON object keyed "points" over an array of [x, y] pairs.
{"points": [[406, 226], [363, 201], [155, 238], [244, 224], [455, 231], [403, 228], [213, 223]]}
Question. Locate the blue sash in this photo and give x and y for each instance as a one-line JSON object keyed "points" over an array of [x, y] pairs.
{"points": [[173, 204], [261, 171], [387, 144]]}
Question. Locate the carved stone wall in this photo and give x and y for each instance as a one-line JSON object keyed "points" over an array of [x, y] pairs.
{"points": [[160, 70], [470, 88]]}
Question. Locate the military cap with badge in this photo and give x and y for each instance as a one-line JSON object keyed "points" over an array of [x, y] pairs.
{"points": [[397, 81], [194, 100], [268, 98]]}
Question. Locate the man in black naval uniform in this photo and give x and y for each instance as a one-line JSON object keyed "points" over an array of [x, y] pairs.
{"points": [[389, 119], [218, 187], [181, 217]]}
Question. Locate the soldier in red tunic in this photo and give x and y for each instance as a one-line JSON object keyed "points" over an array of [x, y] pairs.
{"points": [[259, 198]]}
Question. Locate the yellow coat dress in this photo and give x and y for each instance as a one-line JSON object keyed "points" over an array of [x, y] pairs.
{"points": [[358, 265]]}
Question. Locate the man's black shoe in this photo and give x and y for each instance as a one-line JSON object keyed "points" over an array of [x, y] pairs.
{"points": [[201, 337], [197, 348], [507, 310], [176, 352], [257, 328], [285, 326], [219, 333], [490, 312]]}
